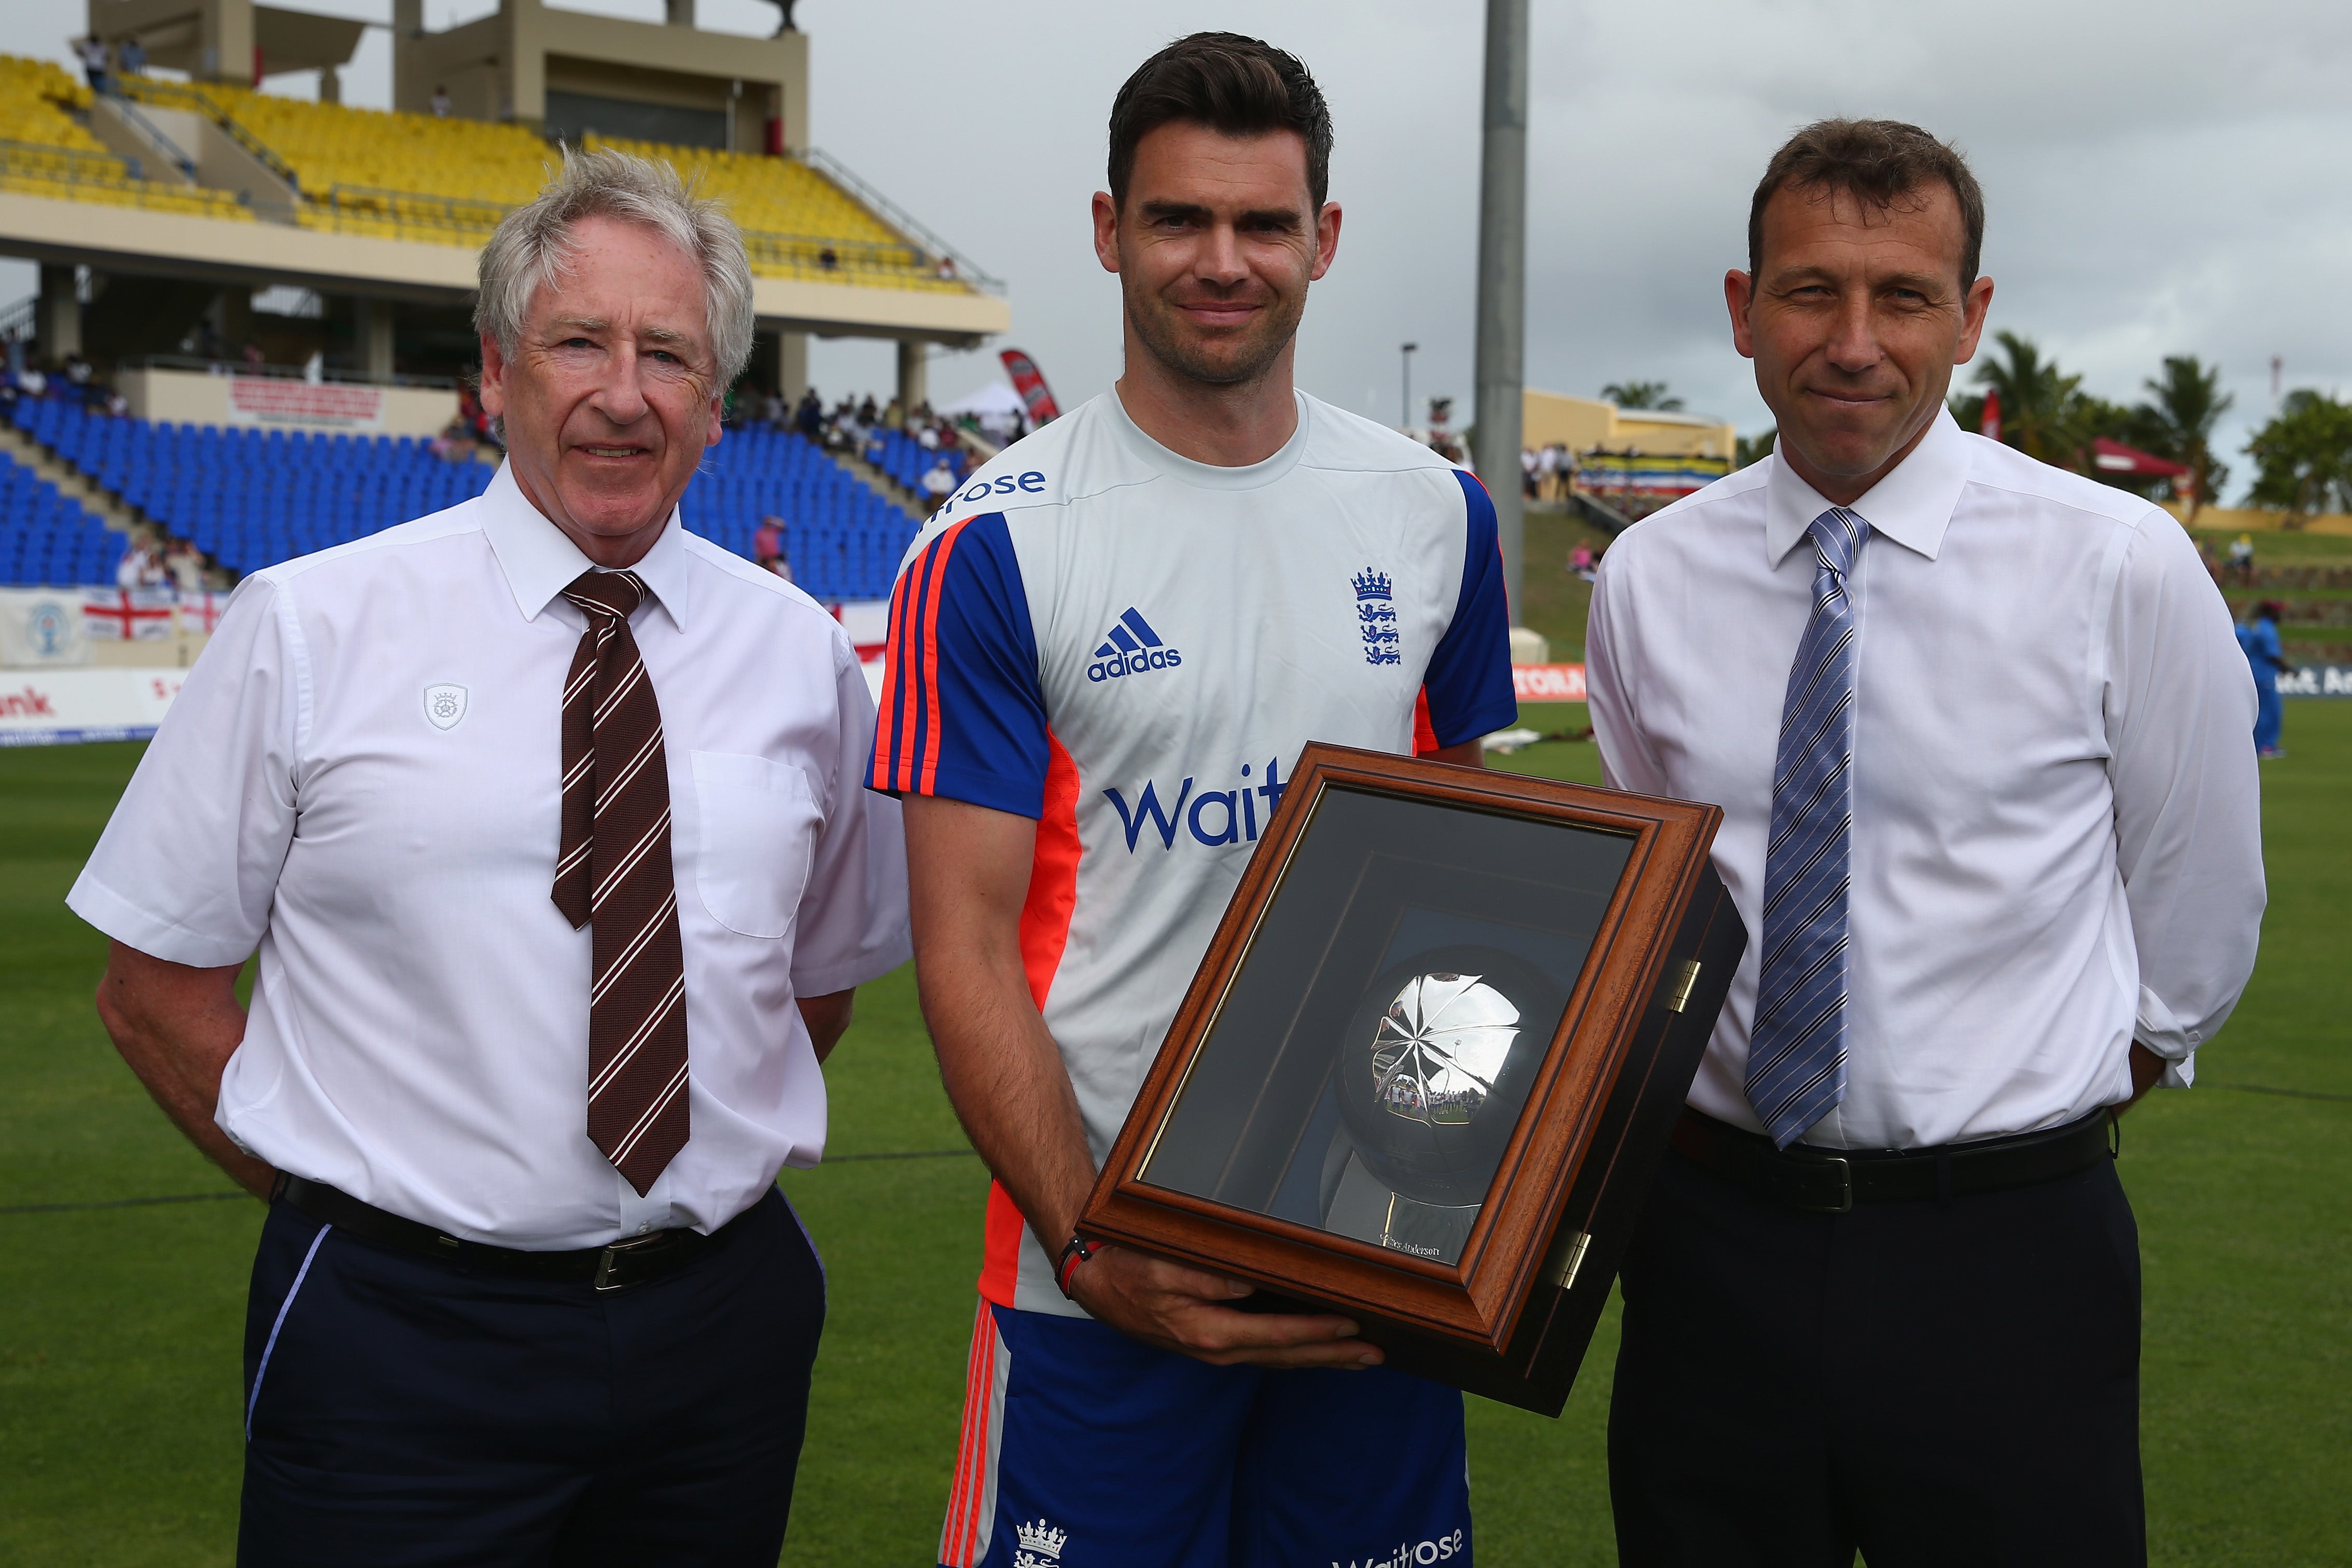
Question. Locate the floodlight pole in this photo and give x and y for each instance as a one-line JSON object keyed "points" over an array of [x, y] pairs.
{"points": [[1503, 281], [1404, 419]]}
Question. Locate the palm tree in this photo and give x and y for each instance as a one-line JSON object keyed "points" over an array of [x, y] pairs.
{"points": [[2041, 408], [2178, 422], [2304, 455], [1642, 395]]}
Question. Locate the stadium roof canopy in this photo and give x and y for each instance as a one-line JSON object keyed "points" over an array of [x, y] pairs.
{"points": [[205, 192]]}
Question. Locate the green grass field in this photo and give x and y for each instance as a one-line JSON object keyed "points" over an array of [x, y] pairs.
{"points": [[119, 1326]]}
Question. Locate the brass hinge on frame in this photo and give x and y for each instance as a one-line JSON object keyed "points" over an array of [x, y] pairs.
{"points": [[1568, 1256], [1679, 988]]}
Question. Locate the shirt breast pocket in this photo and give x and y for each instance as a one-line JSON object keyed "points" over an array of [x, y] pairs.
{"points": [[758, 829]]}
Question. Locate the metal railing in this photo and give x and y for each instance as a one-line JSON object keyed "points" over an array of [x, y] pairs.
{"points": [[171, 150], [842, 174], [472, 219], [824, 257], [179, 96], [21, 319], [406, 209], [32, 161], [285, 372]]}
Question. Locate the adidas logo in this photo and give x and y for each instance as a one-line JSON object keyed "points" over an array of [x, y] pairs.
{"points": [[1131, 648]]}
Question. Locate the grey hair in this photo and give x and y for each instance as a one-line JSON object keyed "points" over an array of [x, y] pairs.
{"points": [[533, 247]]}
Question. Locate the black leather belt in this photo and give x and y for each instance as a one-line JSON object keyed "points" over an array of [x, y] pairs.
{"points": [[632, 1260], [1831, 1180]]}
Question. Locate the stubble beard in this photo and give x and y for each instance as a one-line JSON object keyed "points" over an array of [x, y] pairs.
{"points": [[1225, 360]]}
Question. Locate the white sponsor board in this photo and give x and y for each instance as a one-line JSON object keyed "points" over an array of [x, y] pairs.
{"points": [[2317, 680], [55, 708], [43, 627]]}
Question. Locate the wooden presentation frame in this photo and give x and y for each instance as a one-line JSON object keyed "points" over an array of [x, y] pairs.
{"points": [[1510, 1316]]}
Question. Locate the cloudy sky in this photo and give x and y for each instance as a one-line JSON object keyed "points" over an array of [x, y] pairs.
{"points": [[2165, 178]]}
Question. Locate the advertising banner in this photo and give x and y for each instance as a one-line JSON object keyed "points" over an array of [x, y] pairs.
{"points": [[2317, 680], [1548, 682], [42, 628], [54, 708], [273, 400], [1030, 383]]}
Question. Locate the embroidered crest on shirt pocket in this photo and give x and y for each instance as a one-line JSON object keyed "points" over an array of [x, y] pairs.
{"points": [[758, 834], [445, 705]]}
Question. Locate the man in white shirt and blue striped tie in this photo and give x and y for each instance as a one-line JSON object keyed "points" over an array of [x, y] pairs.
{"points": [[1978, 727]]}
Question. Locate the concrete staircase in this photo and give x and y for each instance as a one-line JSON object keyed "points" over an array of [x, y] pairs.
{"points": [[914, 505], [108, 507]]}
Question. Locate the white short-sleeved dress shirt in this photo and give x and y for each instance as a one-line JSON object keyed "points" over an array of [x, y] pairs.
{"points": [[360, 778], [2056, 841]]}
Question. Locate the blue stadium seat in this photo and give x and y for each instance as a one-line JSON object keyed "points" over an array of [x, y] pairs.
{"points": [[252, 498]]}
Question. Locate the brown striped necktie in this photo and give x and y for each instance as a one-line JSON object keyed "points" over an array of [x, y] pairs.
{"points": [[613, 869]]}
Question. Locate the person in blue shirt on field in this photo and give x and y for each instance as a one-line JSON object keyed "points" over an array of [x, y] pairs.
{"points": [[2260, 638]]}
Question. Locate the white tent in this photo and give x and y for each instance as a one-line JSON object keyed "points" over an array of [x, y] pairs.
{"points": [[989, 405]]}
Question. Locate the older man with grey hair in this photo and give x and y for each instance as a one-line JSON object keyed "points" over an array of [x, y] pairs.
{"points": [[546, 818]]}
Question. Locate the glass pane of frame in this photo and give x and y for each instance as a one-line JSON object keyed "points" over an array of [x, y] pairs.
{"points": [[1377, 1043]]}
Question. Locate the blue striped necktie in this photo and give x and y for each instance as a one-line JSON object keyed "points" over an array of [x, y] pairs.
{"points": [[1795, 1052]]}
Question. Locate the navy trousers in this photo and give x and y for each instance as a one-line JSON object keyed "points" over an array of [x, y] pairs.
{"points": [[402, 1410], [1929, 1384]]}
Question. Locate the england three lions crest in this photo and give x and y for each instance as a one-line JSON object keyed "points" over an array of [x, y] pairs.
{"points": [[1376, 619], [1040, 1545]]}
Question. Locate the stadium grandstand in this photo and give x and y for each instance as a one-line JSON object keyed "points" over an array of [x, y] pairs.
{"points": [[47, 538], [252, 330], [250, 498]]}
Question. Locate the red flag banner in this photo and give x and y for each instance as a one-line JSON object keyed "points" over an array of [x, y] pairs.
{"points": [[1031, 385], [1989, 426]]}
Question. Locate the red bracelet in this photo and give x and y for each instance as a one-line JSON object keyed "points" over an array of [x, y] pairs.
{"points": [[1074, 1251]]}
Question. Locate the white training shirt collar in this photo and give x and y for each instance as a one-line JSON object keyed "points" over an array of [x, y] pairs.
{"points": [[1911, 506], [540, 559], [1209, 476]]}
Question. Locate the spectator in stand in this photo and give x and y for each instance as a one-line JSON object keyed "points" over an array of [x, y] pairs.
{"points": [[185, 564], [32, 381], [133, 570], [440, 103], [132, 57], [2267, 655], [252, 355], [1579, 561], [939, 482], [94, 54], [454, 444], [2242, 559], [767, 544], [808, 417]]}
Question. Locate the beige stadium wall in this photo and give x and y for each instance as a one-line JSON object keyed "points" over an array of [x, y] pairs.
{"points": [[2249, 519], [1552, 418], [193, 398], [1580, 423]]}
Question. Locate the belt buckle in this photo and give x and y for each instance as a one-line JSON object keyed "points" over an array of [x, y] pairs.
{"points": [[609, 1261], [1845, 1184]]}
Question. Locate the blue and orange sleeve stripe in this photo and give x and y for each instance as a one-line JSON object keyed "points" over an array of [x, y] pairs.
{"points": [[962, 713]]}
